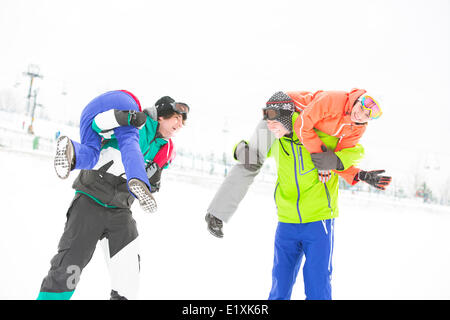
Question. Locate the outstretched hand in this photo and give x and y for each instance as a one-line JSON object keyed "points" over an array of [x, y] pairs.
{"points": [[375, 179]]}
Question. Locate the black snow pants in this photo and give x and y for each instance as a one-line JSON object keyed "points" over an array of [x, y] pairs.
{"points": [[87, 223]]}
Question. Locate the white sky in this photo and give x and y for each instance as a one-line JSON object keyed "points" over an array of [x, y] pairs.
{"points": [[226, 58]]}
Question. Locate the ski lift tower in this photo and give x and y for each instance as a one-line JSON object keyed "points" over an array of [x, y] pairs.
{"points": [[32, 72], [33, 110]]}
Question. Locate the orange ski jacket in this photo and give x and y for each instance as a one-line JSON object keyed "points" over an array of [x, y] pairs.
{"points": [[329, 112]]}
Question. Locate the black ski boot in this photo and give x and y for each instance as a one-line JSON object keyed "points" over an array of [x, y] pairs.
{"points": [[64, 160], [130, 118], [116, 296], [215, 225], [142, 193]]}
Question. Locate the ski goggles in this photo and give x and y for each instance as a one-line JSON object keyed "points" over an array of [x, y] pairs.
{"points": [[275, 114], [369, 103], [181, 108]]}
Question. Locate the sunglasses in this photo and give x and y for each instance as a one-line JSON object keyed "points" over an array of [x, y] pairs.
{"points": [[369, 103]]}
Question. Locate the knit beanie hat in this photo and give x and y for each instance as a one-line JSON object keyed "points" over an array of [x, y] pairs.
{"points": [[284, 105]]}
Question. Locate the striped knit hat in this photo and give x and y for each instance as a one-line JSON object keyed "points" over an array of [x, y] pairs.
{"points": [[282, 102]]}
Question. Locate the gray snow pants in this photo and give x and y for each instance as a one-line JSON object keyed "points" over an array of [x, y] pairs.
{"points": [[241, 176], [87, 223]]}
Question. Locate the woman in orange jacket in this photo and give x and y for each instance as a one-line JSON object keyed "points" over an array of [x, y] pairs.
{"points": [[337, 113]]}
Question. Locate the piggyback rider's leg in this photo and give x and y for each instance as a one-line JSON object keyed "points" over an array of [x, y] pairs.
{"points": [[251, 157], [134, 164], [114, 108]]}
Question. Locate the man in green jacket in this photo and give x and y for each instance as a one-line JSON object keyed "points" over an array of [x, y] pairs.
{"points": [[306, 207]]}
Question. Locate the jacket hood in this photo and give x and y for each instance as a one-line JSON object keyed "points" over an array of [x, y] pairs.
{"points": [[353, 95], [151, 112]]}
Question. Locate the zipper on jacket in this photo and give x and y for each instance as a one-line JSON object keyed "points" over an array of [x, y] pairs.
{"points": [[300, 156], [149, 146], [296, 181], [299, 152], [283, 148], [328, 197], [275, 195], [157, 135]]}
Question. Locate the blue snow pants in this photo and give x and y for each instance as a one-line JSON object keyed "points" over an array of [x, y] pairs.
{"points": [[315, 241], [88, 151]]}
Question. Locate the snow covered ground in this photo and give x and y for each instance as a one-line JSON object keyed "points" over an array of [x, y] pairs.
{"points": [[384, 248]]}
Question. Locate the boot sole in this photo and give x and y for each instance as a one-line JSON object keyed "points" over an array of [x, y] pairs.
{"points": [[211, 231], [63, 158], [141, 192]]}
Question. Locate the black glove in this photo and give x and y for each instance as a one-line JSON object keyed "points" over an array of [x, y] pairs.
{"points": [[130, 118], [374, 179], [326, 160], [154, 176]]}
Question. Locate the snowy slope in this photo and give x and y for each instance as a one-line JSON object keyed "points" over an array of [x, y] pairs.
{"points": [[384, 248]]}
